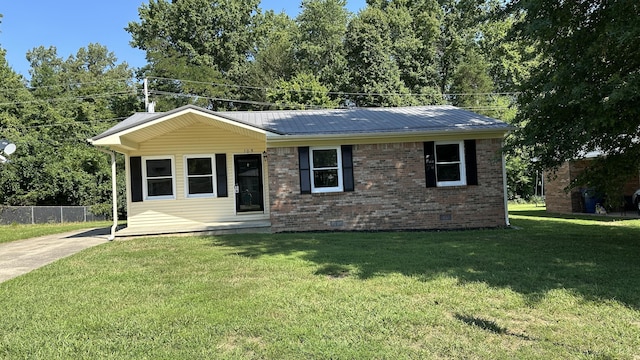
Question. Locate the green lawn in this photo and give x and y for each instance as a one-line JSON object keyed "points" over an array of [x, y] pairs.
{"points": [[555, 288], [24, 231]]}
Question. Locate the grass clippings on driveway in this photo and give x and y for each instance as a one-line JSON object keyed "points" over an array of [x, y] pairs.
{"points": [[555, 289]]}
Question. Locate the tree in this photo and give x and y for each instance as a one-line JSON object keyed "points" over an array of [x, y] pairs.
{"points": [[457, 29], [322, 25], [211, 33], [202, 41], [301, 92], [273, 56], [68, 101], [174, 81], [583, 95], [471, 83], [414, 28], [374, 74]]}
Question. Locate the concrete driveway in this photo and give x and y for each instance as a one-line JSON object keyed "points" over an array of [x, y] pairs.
{"points": [[20, 257]]}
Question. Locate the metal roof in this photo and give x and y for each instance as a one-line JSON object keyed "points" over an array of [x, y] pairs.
{"points": [[341, 121]]}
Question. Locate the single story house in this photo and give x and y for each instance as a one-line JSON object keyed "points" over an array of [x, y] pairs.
{"points": [[581, 198], [409, 168]]}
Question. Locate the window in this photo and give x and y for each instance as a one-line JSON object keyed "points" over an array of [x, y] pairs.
{"points": [[159, 181], [199, 176], [450, 163], [326, 169], [450, 169]]}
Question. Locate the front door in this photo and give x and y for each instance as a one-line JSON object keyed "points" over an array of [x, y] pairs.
{"points": [[248, 187]]}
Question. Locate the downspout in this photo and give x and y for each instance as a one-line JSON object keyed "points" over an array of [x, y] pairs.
{"points": [[504, 186], [114, 192]]}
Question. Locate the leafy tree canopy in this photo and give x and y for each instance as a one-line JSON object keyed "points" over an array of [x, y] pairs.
{"points": [[301, 92], [67, 102], [584, 94]]}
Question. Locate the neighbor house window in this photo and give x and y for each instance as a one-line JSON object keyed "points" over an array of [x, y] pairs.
{"points": [[450, 170], [158, 178], [326, 169], [199, 176]]}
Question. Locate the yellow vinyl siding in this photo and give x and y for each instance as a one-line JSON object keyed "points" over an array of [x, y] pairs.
{"points": [[198, 138]]}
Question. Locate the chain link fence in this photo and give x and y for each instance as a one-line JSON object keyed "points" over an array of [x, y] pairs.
{"points": [[46, 214]]}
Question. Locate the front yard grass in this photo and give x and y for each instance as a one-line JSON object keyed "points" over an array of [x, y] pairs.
{"points": [[556, 288], [25, 231]]}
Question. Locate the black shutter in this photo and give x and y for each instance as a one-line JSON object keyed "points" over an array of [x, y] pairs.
{"points": [[347, 167], [471, 164], [305, 170], [135, 170], [221, 175], [430, 163]]}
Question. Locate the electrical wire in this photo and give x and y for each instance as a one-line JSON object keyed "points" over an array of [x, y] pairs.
{"points": [[134, 91], [329, 92], [72, 84], [250, 102], [83, 97], [76, 122]]}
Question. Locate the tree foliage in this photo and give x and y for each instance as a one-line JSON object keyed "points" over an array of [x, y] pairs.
{"points": [[583, 95], [66, 102], [301, 92], [211, 33], [374, 75], [322, 26]]}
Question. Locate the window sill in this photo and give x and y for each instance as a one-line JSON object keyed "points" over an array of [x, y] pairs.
{"points": [[154, 198]]}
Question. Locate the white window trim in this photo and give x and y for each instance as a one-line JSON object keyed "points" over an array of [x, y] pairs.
{"points": [[212, 157], [340, 187], [463, 170], [144, 177]]}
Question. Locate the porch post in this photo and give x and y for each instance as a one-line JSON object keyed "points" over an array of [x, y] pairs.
{"points": [[114, 192], [114, 196]]}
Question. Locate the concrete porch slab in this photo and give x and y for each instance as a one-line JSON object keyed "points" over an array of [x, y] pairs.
{"points": [[219, 228]]}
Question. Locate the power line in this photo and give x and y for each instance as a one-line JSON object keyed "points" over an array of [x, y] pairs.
{"points": [[250, 102], [70, 84], [25, 127], [447, 96], [330, 92], [84, 97]]}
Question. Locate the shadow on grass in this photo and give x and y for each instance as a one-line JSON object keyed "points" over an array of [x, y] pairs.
{"points": [[481, 323], [598, 261]]}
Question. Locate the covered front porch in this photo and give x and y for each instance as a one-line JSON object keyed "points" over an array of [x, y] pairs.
{"points": [[190, 171]]}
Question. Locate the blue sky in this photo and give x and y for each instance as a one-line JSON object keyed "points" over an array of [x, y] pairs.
{"points": [[71, 24]]}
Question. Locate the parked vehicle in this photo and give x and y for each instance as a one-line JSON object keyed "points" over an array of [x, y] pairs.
{"points": [[635, 199]]}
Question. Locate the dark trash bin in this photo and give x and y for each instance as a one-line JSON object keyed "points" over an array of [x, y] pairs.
{"points": [[590, 200]]}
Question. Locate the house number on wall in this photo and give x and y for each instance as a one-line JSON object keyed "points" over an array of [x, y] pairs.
{"points": [[430, 162], [248, 151]]}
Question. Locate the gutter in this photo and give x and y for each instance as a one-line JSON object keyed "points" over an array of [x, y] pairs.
{"points": [[387, 137], [114, 192]]}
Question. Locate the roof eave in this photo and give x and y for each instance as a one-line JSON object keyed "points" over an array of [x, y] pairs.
{"points": [[384, 137], [178, 112]]}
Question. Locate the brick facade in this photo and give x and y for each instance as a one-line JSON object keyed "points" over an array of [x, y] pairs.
{"points": [[558, 200], [390, 193]]}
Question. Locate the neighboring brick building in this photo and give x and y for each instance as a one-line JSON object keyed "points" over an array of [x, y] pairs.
{"points": [[431, 167], [558, 200]]}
